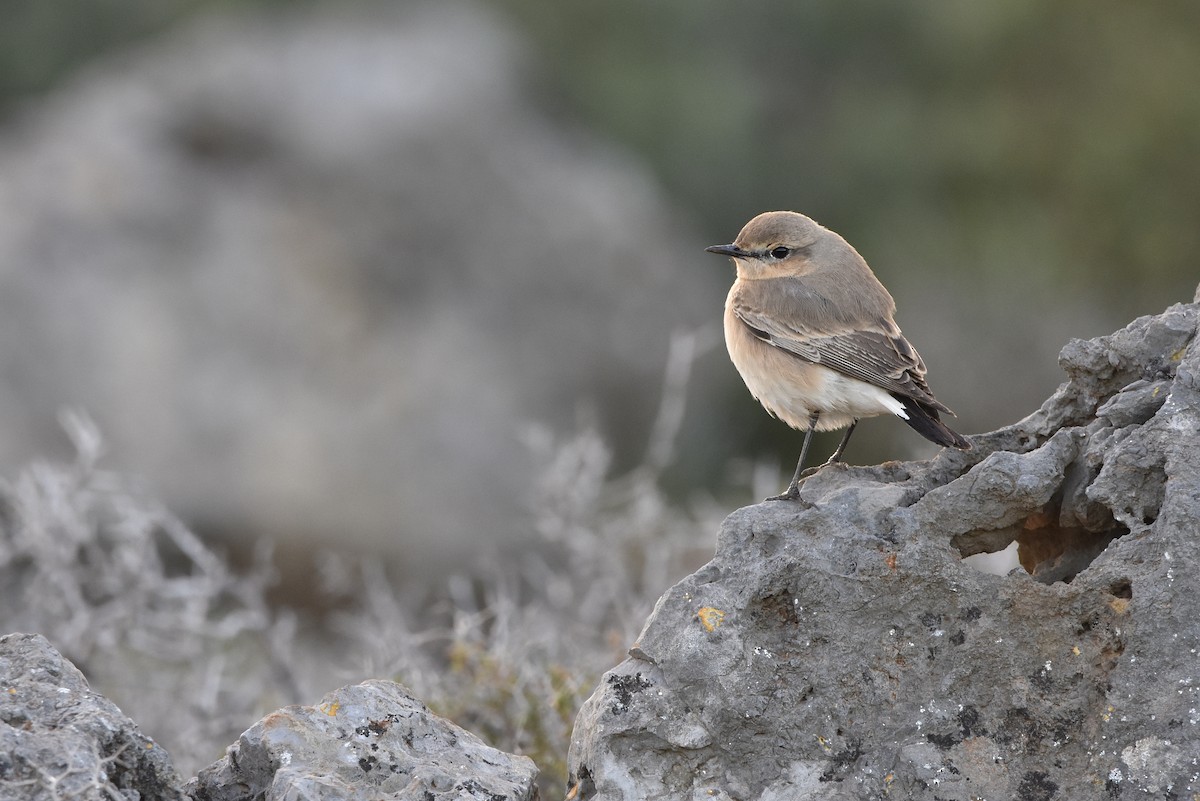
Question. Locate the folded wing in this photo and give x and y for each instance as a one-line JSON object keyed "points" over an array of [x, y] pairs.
{"points": [[872, 351]]}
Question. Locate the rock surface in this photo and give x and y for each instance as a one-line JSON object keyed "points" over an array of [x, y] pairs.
{"points": [[839, 648], [60, 740], [369, 741]]}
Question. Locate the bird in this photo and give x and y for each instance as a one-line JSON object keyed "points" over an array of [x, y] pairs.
{"points": [[811, 331]]}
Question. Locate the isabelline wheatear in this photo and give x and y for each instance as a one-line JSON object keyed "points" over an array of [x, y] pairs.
{"points": [[811, 331]]}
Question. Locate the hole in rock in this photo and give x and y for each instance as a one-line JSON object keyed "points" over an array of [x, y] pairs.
{"points": [[1052, 553], [1122, 589], [1046, 550]]}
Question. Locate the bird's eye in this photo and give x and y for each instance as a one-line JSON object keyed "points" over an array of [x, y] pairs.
{"points": [[780, 252]]}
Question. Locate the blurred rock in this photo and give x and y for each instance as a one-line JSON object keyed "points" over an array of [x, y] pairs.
{"points": [[58, 739], [368, 741], [313, 273], [838, 648]]}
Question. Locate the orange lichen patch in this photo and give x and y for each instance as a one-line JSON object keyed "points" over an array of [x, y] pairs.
{"points": [[890, 561], [710, 617], [330, 709], [1119, 605]]}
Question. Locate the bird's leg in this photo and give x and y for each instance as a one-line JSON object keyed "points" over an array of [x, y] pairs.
{"points": [[837, 453], [793, 490]]}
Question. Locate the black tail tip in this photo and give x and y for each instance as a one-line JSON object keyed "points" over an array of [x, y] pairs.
{"points": [[924, 420], [938, 432], [959, 441]]}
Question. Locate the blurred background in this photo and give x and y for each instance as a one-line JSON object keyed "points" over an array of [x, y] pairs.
{"points": [[333, 274]]}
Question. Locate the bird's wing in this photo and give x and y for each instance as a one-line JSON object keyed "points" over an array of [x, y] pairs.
{"points": [[876, 353]]}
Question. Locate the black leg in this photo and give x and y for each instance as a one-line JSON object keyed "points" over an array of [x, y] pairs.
{"points": [[793, 491], [837, 453]]}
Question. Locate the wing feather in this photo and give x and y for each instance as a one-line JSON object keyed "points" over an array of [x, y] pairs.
{"points": [[874, 352]]}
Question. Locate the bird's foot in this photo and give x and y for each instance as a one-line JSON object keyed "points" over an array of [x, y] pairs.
{"points": [[791, 494]]}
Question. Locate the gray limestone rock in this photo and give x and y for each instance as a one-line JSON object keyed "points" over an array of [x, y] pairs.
{"points": [[60, 740], [839, 647], [369, 741]]}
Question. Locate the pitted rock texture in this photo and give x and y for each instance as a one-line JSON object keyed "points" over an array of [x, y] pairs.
{"points": [[839, 648], [60, 740], [369, 741]]}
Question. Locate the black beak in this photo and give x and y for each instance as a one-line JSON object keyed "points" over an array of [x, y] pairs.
{"points": [[728, 250]]}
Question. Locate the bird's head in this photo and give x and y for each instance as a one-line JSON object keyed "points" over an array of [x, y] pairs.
{"points": [[774, 244]]}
